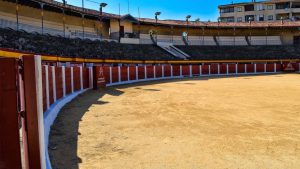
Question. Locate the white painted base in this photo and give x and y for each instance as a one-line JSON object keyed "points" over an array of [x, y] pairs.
{"points": [[50, 116]]}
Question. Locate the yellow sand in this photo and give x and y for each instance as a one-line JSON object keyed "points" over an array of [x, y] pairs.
{"points": [[246, 122]]}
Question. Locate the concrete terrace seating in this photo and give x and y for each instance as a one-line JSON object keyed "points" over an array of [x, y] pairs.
{"points": [[232, 41], [265, 40], [241, 52], [84, 48], [201, 40]]}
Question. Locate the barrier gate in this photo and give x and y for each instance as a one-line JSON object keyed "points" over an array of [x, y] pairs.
{"points": [[19, 128]]}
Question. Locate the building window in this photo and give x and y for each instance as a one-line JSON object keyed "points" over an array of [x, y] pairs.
{"points": [[239, 9], [285, 5], [249, 7], [227, 10], [260, 17], [259, 7], [270, 7], [227, 19], [249, 18], [239, 19], [270, 17]]}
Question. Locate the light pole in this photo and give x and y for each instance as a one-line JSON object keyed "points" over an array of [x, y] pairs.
{"points": [[17, 13], [250, 22], [197, 20], [102, 5], [156, 20], [187, 25]]}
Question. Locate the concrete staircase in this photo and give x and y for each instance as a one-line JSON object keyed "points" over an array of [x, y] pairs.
{"points": [[173, 50]]}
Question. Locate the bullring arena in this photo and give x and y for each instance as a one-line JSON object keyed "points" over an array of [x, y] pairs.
{"points": [[209, 122], [87, 89]]}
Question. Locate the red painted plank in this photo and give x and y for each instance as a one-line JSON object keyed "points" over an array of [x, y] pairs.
{"points": [[10, 155]]}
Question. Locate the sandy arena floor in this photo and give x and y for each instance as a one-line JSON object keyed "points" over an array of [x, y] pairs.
{"points": [[248, 122]]}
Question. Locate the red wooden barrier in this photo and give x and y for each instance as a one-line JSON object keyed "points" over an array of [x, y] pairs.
{"points": [[51, 99], [231, 68], [106, 74], [115, 75], [260, 68], [195, 69], [44, 88], [223, 68], [205, 69], [150, 72], [186, 70], [158, 71], [76, 74], [270, 67], [68, 80], [214, 68], [296, 66], [132, 72], [250, 68], [10, 153], [167, 70], [124, 75], [86, 77], [241, 68], [33, 111], [141, 70], [176, 70], [278, 67], [58, 80]]}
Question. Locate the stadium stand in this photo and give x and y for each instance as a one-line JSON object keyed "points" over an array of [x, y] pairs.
{"points": [[241, 52], [59, 46]]}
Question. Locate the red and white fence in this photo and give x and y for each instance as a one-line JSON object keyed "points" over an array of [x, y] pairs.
{"points": [[130, 74]]}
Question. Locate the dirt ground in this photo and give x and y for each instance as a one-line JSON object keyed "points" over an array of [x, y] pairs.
{"points": [[246, 122]]}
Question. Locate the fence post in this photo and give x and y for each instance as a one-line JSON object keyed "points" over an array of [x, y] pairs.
{"points": [[171, 71], [54, 83], [180, 70], [227, 69], [191, 71], [72, 80], [128, 73], [47, 86], [154, 71], [119, 74], [254, 67], [265, 68], [200, 70], [275, 67], [81, 78], [110, 74], [91, 77], [236, 68], [209, 69], [218, 69], [34, 111], [145, 67], [136, 73], [63, 80], [245, 66], [163, 71]]}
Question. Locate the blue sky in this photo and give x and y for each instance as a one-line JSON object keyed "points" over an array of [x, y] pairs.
{"points": [[171, 9]]}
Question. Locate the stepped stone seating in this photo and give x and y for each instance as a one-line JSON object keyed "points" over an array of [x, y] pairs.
{"points": [[85, 48], [241, 52], [232, 41], [202, 40], [265, 40]]}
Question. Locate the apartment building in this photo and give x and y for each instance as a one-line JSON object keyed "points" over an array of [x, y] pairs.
{"points": [[270, 10]]}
